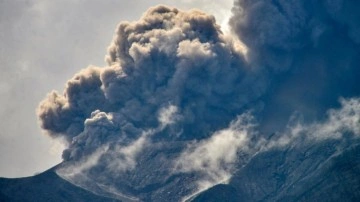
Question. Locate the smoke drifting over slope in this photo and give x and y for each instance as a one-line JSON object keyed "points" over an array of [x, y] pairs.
{"points": [[180, 102]]}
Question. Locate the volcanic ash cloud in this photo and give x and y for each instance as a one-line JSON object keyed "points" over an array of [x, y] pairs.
{"points": [[171, 77]]}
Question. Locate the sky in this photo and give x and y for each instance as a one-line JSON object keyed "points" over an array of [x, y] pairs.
{"points": [[44, 43]]}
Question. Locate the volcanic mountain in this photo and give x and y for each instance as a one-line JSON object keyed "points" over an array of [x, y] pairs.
{"points": [[183, 111]]}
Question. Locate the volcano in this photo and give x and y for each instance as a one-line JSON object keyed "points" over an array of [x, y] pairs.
{"points": [[183, 111]]}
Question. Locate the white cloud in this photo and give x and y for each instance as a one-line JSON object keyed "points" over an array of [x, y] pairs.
{"points": [[124, 157], [215, 157], [345, 120], [75, 171], [168, 115]]}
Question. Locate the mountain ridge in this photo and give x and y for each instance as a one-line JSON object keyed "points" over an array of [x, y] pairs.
{"points": [[321, 174], [46, 186]]}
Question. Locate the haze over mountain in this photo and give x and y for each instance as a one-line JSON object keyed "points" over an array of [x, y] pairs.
{"points": [[186, 112]]}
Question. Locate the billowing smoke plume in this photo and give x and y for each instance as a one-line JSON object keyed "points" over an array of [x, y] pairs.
{"points": [[169, 57], [309, 48], [277, 32], [179, 102]]}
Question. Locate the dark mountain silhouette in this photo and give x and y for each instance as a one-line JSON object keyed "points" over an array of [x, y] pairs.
{"points": [[314, 173], [47, 186], [294, 175]]}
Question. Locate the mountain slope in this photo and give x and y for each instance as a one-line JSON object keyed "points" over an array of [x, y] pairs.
{"points": [[47, 186], [316, 173], [313, 173]]}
